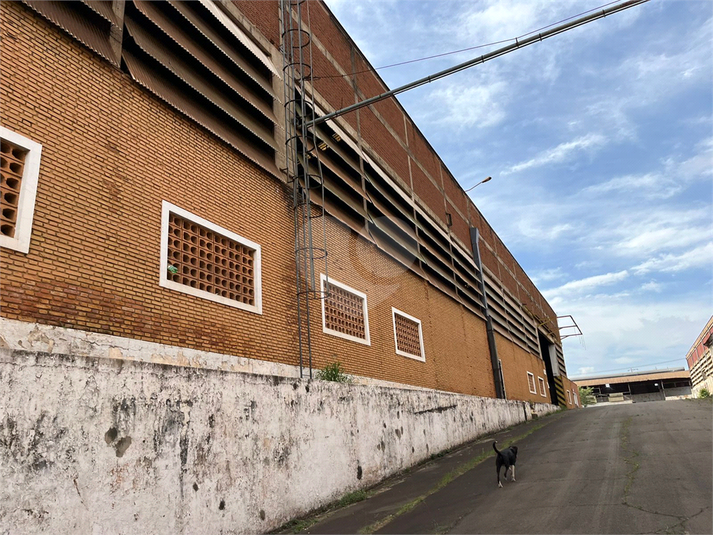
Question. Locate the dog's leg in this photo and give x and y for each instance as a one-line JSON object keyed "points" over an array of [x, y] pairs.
{"points": [[513, 472], [497, 468]]}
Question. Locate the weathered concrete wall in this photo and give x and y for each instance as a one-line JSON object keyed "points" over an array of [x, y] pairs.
{"points": [[95, 445], [679, 392]]}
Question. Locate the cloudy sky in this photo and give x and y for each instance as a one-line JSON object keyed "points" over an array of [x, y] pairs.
{"points": [[600, 145]]}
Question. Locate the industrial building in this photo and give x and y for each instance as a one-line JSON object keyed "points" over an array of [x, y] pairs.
{"points": [[639, 386], [153, 164], [183, 247], [700, 363]]}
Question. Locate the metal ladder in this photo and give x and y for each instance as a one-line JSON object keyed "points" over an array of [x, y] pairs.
{"points": [[304, 171]]}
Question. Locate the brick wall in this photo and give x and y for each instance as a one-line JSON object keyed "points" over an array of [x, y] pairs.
{"points": [[384, 132], [94, 258], [516, 363], [112, 153]]}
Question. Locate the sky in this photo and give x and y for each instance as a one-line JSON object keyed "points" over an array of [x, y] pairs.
{"points": [[600, 145]]}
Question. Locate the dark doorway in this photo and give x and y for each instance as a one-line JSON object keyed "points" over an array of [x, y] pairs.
{"points": [[545, 354]]}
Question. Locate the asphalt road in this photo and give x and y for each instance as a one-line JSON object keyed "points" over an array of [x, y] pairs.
{"points": [[635, 468]]}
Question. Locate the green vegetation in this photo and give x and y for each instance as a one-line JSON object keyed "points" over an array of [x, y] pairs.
{"points": [[333, 372], [352, 497], [704, 393], [586, 395]]}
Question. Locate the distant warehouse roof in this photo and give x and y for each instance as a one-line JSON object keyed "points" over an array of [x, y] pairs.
{"points": [[633, 377]]}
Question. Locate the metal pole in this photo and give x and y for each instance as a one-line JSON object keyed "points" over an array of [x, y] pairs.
{"points": [[494, 361], [482, 59]]}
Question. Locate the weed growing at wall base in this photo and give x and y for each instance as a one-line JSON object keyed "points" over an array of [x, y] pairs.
{"points": [[333, 372]]}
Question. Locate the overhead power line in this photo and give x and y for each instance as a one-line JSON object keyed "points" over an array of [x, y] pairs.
{"points": [[519, 43], [450, 53]]}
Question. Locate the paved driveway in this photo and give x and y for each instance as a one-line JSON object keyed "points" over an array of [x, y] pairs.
{"points": [[635, 468]]}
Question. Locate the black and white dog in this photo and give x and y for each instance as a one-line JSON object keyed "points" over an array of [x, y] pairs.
{"points": [[506, 458]]}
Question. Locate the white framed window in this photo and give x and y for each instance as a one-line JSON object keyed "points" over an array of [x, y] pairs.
{"points": [[569, 398], [344, 312], [202, 259], [531, 383], [542, 386], [408, 335], [19, 172], [574, 396]]}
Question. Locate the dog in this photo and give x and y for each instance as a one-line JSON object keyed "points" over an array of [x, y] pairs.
{"points": [[506, 458]]}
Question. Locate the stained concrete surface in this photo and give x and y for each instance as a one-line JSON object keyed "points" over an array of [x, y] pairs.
{"points": [[634, 468]]}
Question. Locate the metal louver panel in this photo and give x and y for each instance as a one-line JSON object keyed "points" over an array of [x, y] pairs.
{"points": [[216, 68], [221, 44], [168, 91], [103, 9], [82, 23], [151, 46], [239, 34]]}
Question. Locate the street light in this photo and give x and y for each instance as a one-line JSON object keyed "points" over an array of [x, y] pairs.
{"points": [[479, 183]]}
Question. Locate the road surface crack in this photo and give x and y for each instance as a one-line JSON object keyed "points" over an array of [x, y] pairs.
{"points": [[631, 458]]}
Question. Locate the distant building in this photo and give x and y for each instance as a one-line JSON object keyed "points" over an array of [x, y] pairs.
{"points": [[700, 361], [656, 385]]}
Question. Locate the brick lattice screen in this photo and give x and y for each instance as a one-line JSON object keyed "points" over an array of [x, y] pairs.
{"points": [[344, 312], [12, 164], [542, 385], [408, 338], [209, 261], [531, 383]]}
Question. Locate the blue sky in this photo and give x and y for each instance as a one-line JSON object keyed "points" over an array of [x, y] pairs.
{"points": [[600, 145]]}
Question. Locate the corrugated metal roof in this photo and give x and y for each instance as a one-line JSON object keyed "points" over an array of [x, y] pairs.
{"points": [[635, 378]]}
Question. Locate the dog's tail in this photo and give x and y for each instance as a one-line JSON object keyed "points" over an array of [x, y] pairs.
{"points": [[496, 449]]}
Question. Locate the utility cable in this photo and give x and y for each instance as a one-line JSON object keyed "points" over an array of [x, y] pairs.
{"points": [[425, 58]]}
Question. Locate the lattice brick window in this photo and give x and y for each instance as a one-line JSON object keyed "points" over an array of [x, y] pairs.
{"points": [[19, 172], [574, 396], [531, 383], [542, 386], [344, 312], [569, 399], [408, 335], [205, 260]]}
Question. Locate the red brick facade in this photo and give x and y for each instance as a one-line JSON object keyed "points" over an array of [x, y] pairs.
{"points": [[113, 152]]}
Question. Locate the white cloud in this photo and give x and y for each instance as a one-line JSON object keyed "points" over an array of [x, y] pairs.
{"points": [[700, 257], [462, 106], [547, 275], [560, 153], [586, 285], [652, 286]]}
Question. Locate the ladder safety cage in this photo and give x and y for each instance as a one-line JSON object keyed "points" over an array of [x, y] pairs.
{"points": [[304, 171]]}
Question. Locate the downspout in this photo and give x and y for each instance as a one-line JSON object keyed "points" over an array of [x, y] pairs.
{"points": [[497, 378]]}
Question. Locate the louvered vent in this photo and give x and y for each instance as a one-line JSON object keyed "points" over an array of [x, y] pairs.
{"points": [[192, 57], [12, 165], [207, 261], [344, 313], [96, 24], [408, 336], [531, 383]]}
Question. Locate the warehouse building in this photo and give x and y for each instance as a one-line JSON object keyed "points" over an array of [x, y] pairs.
{"points": [[182, 248], [154, 203]]}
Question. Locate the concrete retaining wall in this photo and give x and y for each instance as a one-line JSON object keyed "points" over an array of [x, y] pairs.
{"points": [[113, 446]]}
